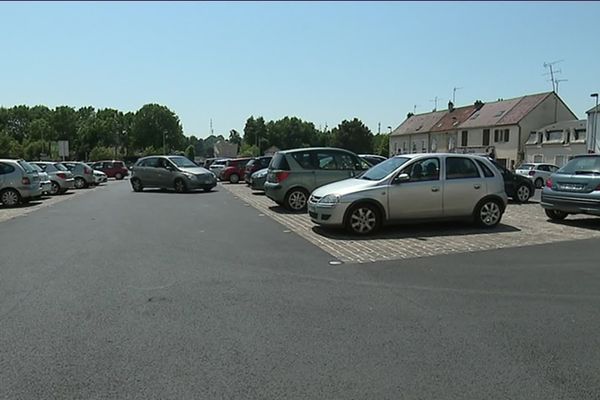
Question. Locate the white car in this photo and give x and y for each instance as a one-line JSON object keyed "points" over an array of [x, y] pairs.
{"points": [[217, 166], [413, 187], [537, 172], [99, 177]]}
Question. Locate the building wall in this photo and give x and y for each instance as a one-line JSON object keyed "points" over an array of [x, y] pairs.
{"points": [[414, 143], [557, 154], [543, 115], [593, 118], [506, 152]]}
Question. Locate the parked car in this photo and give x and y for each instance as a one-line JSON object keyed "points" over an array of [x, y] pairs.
{"points": [[99, 177], [82, 173], [294, 174], [19, 182], [170, 172], [45, 183], [574, 188], [217, 166], [112, 168], [208, 162], [518, 187], [257, 180], [372, 159], [61, 179], [413, 187], [537, 172], [256, 164], [234, 170]]}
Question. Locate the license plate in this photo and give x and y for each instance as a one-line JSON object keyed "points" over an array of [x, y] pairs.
{"points": [[569, 186]]}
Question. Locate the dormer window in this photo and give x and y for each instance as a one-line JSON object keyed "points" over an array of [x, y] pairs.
{"points": [[554, 136]]}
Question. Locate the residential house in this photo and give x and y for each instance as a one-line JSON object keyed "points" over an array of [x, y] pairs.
{"points": [[593, 137], [556, 143], [500, 128]]}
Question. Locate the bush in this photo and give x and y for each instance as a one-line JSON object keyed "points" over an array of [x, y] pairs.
{"points": [[101, 153]]}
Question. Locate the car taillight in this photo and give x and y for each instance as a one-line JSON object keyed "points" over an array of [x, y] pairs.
{"points": [[531, 173], [549, 182], [281, 176], [62, 175], [25, 181]]}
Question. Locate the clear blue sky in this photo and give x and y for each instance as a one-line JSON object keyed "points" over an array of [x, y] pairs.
{"points": [[322, 62]]}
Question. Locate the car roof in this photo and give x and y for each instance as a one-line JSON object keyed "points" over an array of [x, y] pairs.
{"points": [[312, 149]]}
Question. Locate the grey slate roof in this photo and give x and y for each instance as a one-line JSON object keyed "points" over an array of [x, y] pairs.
{"points": [[419, 123]]}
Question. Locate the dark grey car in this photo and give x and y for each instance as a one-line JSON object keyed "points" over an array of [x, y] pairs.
{"points": [[574, 188], [170, 172]]}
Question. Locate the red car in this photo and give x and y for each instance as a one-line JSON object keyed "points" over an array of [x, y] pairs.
{"points": [[112, 168], [234, 170]]}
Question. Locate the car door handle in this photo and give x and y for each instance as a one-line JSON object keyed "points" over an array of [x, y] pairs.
{"points": [[435, 189], [477, 186]]}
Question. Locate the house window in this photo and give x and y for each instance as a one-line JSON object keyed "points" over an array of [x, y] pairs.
{"points": [[404, 147], [395, 148], [533, 138], [486, 137], [423, 149], [554, 136], [414, 147], [501, 135], [464, 138], [578, 135], [506, 135]]}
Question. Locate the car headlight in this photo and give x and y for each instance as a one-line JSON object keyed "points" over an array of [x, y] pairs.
{"points": [[190, 176], [330, 199]]}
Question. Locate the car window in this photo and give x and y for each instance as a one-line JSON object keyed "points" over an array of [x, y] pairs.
{"points": [[118, 164], [25, 165], [326, 160], [460, 168], [424, 170], [543, 168], [6, 168], [582, 166], [107, 165], [304, 158], [525, 166], [251, 163], [384, 168], [346, 161], [279, 162], [484, 168], [60, 167], [264, 162], [150, 162]]}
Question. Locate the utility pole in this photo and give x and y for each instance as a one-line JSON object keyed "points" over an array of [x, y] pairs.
{"points": [[211, 127], [415, 109], [550, 66], [454, 94], [379, 128]]}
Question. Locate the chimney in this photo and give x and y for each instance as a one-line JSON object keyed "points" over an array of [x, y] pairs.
{"points": [[450, 106], [478, 104]]}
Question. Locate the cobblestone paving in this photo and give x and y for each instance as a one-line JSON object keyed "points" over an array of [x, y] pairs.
{"points": [[522, 225], [46, 201]]}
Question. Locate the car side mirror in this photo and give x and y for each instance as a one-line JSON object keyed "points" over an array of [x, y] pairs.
{"points": [[402, 178]]}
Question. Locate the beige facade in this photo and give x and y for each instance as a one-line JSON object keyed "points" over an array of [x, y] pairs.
{"points": [[557, 143]]}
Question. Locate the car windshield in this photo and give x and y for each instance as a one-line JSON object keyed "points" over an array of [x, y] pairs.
{"points": [[384, 168], [60, 167], [582, 166], [182, 162]]}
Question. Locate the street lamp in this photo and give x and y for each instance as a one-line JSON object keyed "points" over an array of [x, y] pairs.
{"points": [[390, 128], [595, 120]]}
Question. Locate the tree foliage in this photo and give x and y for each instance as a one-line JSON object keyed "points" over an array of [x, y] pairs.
{"points": [[353, 135], [101, 153]]}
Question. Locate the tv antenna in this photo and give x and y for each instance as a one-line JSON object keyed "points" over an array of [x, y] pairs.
{"points": [[415, 108], [435, 100], [550, 66], [557, 81], [454, 94]]}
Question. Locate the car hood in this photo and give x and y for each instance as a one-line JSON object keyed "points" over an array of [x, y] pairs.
{"points": [[195, 170], [345, 187]]}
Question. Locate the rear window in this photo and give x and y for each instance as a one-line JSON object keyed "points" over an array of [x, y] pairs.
{"points": [[582, 166], [6, 168], [251, 163], [460, 168], [279, 162], [25, 165]]}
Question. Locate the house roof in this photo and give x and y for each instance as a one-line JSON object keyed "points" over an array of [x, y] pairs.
{"points": [[593, 110], [419, 123], [562, 125], [523, 107], [490, 113], [452, 119]]}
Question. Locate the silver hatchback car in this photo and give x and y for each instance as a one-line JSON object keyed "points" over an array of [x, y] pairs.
{"points": [[168, 172], [19, 182], [413, 187], [574, 188]]}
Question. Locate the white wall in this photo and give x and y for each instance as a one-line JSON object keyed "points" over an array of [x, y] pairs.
{"points": [[548, 152], [593, 118]]}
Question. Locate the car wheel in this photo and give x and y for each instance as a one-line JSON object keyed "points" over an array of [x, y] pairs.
{"points": [[556, 215], [234, 178], [363, 219], [539, 183], [488, 213], [296, 199], [180, 186], [136, 184], [79, 183], [523, 193], [118, 176], [10, 198], [54, 188]]}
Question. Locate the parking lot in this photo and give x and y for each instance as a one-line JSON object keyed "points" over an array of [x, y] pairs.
{"points": [[522, 225]]}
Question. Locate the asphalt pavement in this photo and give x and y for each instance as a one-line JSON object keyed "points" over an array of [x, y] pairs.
{"points": [[157, 295]]}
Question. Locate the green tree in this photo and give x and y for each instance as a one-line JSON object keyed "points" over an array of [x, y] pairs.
{"points": [[249, 151], [255, 129], [353, 135], [9, 147], [101, 153], [381, 144], [33, 149], [234, 137], [190, 152], [154, 123]]}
